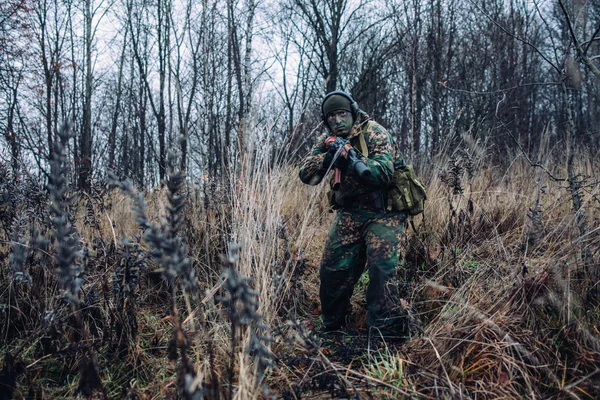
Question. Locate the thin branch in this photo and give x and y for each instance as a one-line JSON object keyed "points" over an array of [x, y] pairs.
{"points": [[499, 91], [589, 42], [588, 63], [516, 37], [533, 164]]}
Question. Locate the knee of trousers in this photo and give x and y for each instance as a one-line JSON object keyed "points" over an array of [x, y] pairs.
{"points": [[383, 268]]}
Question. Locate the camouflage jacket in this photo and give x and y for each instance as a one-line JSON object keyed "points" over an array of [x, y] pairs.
{"points": [[380, 160]]}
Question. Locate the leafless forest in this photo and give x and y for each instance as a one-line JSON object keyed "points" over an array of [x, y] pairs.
{"points": [[155, 241]]}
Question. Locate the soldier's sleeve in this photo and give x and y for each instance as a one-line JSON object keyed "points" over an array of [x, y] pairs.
{"points": [[311, 168], [381, 156]]}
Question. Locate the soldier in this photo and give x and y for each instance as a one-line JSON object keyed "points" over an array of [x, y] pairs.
{"points": [[364, 232]]}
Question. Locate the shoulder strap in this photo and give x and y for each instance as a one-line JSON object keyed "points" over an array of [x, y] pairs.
{"points": [[363, 144]]}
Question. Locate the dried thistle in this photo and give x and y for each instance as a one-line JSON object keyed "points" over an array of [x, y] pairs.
{"points": [[535, 214], [167, 247], [19, 252], [125, 282], [67, 267], [241, 303], [170, 253], [453, 175]]}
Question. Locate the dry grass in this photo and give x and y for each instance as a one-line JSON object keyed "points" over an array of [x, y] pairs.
{"points": [[493, 273]]}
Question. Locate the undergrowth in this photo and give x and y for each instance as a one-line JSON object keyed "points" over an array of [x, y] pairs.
{"points": [[211, 291]]}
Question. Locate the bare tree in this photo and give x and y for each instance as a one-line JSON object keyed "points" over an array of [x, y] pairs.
{"points": [[326, 26], [50, 34], [112, 138], [592, 275], [10, 79], [331, 29], [189, 70], [12, 56], [296, 86], [157, 102], [186, 84], [245, 77], [85, 158]]}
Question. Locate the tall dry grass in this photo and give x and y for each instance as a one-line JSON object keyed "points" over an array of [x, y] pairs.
{"points": [[506, 310], [491, 273]]}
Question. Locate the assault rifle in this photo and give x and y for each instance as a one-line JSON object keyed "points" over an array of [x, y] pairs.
{"points": [[354, 162]]}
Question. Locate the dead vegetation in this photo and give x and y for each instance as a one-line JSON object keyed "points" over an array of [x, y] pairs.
{"points": [[212, 291]]}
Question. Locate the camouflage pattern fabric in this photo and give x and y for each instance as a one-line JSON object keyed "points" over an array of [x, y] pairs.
{"points": [[380, 161], [360, 238]]}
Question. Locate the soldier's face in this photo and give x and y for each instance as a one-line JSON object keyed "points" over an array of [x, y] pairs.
{"points": [[340, 122]]}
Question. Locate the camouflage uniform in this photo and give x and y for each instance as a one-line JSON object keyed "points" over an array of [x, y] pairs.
{"points": [[361, 235]]}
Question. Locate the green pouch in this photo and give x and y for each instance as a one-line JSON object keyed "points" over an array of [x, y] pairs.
{"points": [[407, 193]]}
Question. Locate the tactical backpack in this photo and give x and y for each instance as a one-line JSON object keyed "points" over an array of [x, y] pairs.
{"points": [[407, 193]]}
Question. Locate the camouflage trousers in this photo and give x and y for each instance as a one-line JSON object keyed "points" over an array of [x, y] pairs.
{"points": [[359, 240]]}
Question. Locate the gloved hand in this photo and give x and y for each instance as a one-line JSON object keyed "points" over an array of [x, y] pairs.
{"points": [[332, 149], [327, 159], [341, 163]]}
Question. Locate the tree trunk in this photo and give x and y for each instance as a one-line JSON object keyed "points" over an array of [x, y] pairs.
{"points": [[85, 170], [112, 138], [10, 133]]}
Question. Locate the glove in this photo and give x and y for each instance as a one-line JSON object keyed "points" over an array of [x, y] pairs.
{"points": [[341, 163], [332, 149], [327, 159]]}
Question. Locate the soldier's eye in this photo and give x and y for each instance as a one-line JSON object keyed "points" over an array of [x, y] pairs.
{"points": [[332, 116]]}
